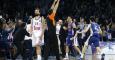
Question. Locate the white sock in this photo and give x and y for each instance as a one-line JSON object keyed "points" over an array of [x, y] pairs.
{"points": [[98, 55], [67, 55], [39, 57], [81, 55]]}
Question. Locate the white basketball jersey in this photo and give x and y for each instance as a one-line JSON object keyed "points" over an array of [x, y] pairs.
{"points": [[58, 28], [37, 26]]}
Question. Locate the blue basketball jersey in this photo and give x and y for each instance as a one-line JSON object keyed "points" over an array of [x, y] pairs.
{"points": [[70, 29], [95, 28]]}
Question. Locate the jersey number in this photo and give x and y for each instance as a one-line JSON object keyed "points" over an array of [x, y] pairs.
{"points": [[36, 28], [96, 28]]}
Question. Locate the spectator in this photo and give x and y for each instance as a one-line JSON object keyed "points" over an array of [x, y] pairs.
{"points": [[19, 39]]}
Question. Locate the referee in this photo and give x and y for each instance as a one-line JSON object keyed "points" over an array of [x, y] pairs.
{"points": [[51, 42]]}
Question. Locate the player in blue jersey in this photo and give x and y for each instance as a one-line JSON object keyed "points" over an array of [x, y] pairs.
{"points": [[94, 37], [69, 42]]}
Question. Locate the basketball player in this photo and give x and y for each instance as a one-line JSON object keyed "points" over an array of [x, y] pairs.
{"points": [[80, 37], [95, 33], [37, 32], [69, 43], [76, 43]]}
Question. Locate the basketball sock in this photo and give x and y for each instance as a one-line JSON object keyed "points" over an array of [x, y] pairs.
{"points": [[81, 56], [39, 57], [67, 56], [80, 53]]}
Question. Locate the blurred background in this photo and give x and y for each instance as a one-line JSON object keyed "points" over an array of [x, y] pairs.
{"points": [[14, 11], [76, 8], [102, 9]]}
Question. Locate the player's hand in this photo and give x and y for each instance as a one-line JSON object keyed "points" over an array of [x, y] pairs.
{"points": [[64, 28], [79, 32]]}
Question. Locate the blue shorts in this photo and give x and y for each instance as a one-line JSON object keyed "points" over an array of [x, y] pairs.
{"points": [[95, 41], [68, 41]]}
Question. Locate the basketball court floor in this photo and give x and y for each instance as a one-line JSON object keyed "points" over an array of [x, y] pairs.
{"points": [[108, 48]]}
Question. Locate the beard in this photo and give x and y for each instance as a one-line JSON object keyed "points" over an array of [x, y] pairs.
{"points": [[37, 14]]}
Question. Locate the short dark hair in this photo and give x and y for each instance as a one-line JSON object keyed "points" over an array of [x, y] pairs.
{"points": [[23, 25], [92, 19], [50, 11]]}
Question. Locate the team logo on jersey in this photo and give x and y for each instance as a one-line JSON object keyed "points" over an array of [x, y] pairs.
{"points": [[36, 28]]}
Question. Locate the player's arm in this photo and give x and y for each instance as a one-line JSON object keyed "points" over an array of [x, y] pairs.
{"points": [[91, 31], [43, 26], [31, 27], [53, 4], [86, 28], [75, 34], [110, 23], [43, 23], [100, 31], [74, 26], [56, 6], [77, 31], [53, 10], [86, 43], [64, 27]]}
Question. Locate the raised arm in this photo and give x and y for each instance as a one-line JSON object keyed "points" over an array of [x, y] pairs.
{"points": [[56, 6], [43, 26], [53, 4]]}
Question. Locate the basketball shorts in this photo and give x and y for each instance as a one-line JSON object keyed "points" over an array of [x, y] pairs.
{"points": [[95, 41], [68, 41], [37, 41], [75, 43]]}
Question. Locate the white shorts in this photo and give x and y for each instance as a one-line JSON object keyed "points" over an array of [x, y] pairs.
{"points": [[76, 42], [36, 41]]}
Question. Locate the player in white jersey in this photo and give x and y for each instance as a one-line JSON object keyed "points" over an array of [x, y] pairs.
{"points": [[37, 32]]}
